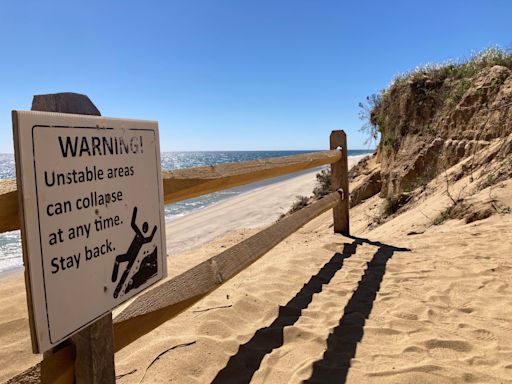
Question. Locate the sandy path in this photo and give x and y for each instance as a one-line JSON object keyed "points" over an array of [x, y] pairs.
{"points": [[256, 208], [322, 308], [433, 307]]}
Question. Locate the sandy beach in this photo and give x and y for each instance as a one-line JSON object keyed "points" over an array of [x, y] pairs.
{"points": [[255, 208], [383, 306], [238, 216], [256, 192], [405, 302]]}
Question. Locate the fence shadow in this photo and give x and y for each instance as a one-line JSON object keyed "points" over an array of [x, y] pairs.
{"points": [[342, 341], [243, 365]]}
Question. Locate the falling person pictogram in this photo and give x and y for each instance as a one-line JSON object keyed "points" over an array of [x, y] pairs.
{"points": [[133, 251]]}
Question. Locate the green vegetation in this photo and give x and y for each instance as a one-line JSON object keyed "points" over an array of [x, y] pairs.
{"points": [[456, 95], [323, 186], [419, 182], [370, 127], [300, 202], [429, 87], [458, 69], [444, 215], [489, 180], [390, 206], [394, 202], [502, 172]]}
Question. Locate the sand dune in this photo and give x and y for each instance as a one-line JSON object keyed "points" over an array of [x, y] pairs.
{"points": [[380, 307], [432, 308], [398, 312]]}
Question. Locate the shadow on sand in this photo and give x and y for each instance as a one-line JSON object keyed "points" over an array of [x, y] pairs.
{"points": [[341, 343]]}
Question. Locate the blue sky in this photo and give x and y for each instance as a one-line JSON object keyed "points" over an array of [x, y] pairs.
{"points": [[233, 75]]}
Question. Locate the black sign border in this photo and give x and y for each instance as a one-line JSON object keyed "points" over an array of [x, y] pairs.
{"points": [[39, 224]]}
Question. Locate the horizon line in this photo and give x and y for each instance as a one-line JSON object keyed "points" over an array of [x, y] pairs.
{"points": [[244, 150]]}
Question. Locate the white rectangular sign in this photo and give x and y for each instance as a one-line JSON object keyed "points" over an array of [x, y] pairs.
{"points": [[92, 217]]}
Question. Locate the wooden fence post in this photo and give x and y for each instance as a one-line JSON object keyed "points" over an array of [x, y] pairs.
{"points": [[94, 345], [339, 182]]}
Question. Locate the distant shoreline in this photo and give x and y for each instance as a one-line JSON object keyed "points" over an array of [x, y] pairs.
{"points": [[248, 150], [188, 208]]}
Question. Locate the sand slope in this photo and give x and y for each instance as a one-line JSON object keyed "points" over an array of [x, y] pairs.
{"points": [[437, 313], [15, 347], [386, 306]]}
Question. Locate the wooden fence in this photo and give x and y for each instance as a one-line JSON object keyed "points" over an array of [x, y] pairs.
{"points": [[70, 362]]}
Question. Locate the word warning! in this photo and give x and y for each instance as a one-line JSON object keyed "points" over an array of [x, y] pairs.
{"points": [[92, 217]]}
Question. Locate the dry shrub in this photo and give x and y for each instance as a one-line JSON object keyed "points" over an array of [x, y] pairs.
{"points": [[393, 203], [323, 187], [300, 202]]}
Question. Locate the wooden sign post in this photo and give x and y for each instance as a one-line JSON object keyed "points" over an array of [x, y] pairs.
{"points": [[339, 182], [92, 220], [94, 345]]}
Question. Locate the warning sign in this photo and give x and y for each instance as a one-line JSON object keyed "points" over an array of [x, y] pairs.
{"points": [[93, 220]]}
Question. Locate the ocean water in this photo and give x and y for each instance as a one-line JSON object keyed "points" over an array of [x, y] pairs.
{"points": [[10, 243]]}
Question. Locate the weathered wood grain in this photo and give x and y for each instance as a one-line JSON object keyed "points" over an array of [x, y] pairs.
{"points": [[167, 300], [339, 181], [65, 102], [160, 304], [9, 219], [93, 345], [154, 307], [186, 183], [182, 184]]}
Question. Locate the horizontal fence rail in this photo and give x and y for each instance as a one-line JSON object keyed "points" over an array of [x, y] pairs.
{"points": [[166, 301], [88, 356], [210, 274], [9, 219], [182, 184]]}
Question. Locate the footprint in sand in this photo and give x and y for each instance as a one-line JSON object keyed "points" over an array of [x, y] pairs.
{"points": [[455, 345], [466, 309], [447, 349], [483, 335], [405, 315], [382, 331], [334, 247], [415, 352], [437, 316], [216, 329], [483, 361]]}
